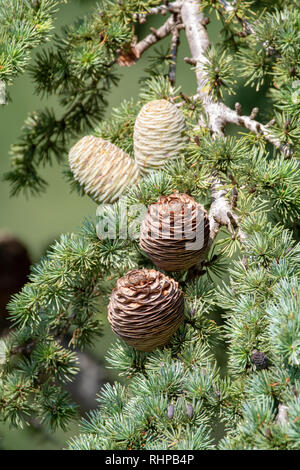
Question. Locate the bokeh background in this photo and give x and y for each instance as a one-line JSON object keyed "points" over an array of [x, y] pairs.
{"points": [[37, 222]]}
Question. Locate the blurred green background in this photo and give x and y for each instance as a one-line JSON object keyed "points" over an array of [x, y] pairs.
{"points": [[38, 221]]}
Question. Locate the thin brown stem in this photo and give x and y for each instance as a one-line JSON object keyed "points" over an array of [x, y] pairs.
{"points": [[173, 52], [154, 37]]}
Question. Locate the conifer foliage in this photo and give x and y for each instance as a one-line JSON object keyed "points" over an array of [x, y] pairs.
{"points": [[242, 296]]}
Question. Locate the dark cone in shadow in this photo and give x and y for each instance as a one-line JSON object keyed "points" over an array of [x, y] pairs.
{"points": [[14, 271]]}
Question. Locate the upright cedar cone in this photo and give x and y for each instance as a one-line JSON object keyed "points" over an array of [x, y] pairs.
{"points": [[175, 232], [102, 168], [159, 134], [145, 309]]}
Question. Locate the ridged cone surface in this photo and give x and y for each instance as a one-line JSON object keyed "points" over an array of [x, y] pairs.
{"points": [[169, 227], [159, 134], [145, 309], [102, 168], [259, 359]]}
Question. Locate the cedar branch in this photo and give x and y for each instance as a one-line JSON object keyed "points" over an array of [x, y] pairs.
{"points": [[155, 36], [220, 210], [217, 112]]}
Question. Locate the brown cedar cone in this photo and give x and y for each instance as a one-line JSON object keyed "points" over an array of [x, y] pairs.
{"points": [[145, 309], [175, 232], [259, 359]]}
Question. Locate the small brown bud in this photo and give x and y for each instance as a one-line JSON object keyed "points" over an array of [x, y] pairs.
{"points": [[269, 433], [238, 108], [197, 140], [259, 359], [205, 21], [254, 113]]}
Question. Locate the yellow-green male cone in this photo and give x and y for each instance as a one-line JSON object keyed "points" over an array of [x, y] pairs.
{"points": [[102, 168], [159, 134]]}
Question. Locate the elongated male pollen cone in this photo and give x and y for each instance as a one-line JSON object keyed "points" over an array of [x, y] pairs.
{"points": [[102, 168], [159, 134]]}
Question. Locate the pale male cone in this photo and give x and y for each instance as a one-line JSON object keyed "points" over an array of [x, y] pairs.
{"points": [[159, 134], [102, 168]]}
